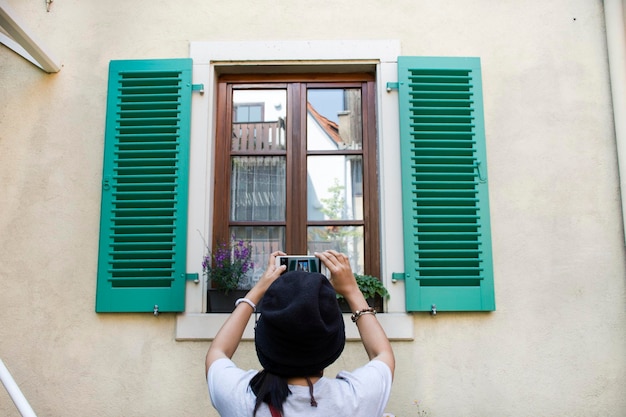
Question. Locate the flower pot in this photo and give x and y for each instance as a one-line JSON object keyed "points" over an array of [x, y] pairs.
{"points": [[220, 302]]}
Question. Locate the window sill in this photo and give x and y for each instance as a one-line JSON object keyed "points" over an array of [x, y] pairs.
{"points": [[204, 326]]}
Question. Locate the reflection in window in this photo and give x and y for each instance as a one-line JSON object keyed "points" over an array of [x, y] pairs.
{"points": [[264, 240], [248, 112], [258, 180], [294, 169], [345, 239], [258, 188], [334, 187], [334, 119], [258, 120]]}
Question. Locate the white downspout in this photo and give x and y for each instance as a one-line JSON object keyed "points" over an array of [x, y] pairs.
{"points": [[616, 44], [14, 392]]}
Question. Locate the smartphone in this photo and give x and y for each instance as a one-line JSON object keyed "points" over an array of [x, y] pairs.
{"points": [[300, 263]]}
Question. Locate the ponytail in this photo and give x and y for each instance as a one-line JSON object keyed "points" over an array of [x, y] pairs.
{"points": [[270, 389]]}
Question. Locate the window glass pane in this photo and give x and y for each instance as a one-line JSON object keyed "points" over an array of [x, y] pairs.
{"points": [[248, 113], [334, 119], [259, 120], [335, 187], [257, 188], [264, 241], [345, 239]]}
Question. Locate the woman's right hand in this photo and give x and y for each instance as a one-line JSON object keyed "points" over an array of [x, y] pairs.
{"points": [[341, 276]]}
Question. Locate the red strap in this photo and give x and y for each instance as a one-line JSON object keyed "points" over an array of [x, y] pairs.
{"points": [[274, 411]]}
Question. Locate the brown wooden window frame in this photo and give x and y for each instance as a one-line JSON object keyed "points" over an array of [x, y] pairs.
{"points": [[296, 222]]}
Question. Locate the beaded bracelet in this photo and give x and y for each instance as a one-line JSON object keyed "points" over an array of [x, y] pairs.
{"points": [[247, 301], [359, 313]]}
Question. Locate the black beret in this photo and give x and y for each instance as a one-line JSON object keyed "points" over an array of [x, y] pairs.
{"points": [[301, 330]]}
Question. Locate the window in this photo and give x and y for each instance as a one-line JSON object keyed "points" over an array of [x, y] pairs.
{"points": [[295, 166], [248, 112]]}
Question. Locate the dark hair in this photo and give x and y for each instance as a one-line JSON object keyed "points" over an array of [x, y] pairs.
{"points": [[270, 389]]}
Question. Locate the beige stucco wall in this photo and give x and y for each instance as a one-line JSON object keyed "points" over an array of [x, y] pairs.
{"points": [[556, 346]]}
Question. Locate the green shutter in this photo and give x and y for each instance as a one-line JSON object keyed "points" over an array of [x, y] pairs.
{"points": [[447, 237], [143, 224]]}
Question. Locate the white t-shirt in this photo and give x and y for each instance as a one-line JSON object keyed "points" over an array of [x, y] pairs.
{"points": [[361, 393]]}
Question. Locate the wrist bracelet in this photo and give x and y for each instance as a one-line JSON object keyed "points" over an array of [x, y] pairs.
{"points": [[359, 313], [247, 301]]}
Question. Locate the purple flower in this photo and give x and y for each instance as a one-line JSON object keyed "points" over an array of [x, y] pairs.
{"points": [[228, 263]]}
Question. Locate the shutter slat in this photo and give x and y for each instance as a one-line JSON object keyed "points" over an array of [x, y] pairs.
{"points": [[142, 238]]}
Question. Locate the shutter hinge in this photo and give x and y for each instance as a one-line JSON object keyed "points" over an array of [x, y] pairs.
{"points": [[195, 277], [397, 276], [481, 172], [392, 86], [197, 87]]}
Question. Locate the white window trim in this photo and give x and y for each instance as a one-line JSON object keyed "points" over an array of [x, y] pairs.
{"points": [[207, 58]]}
